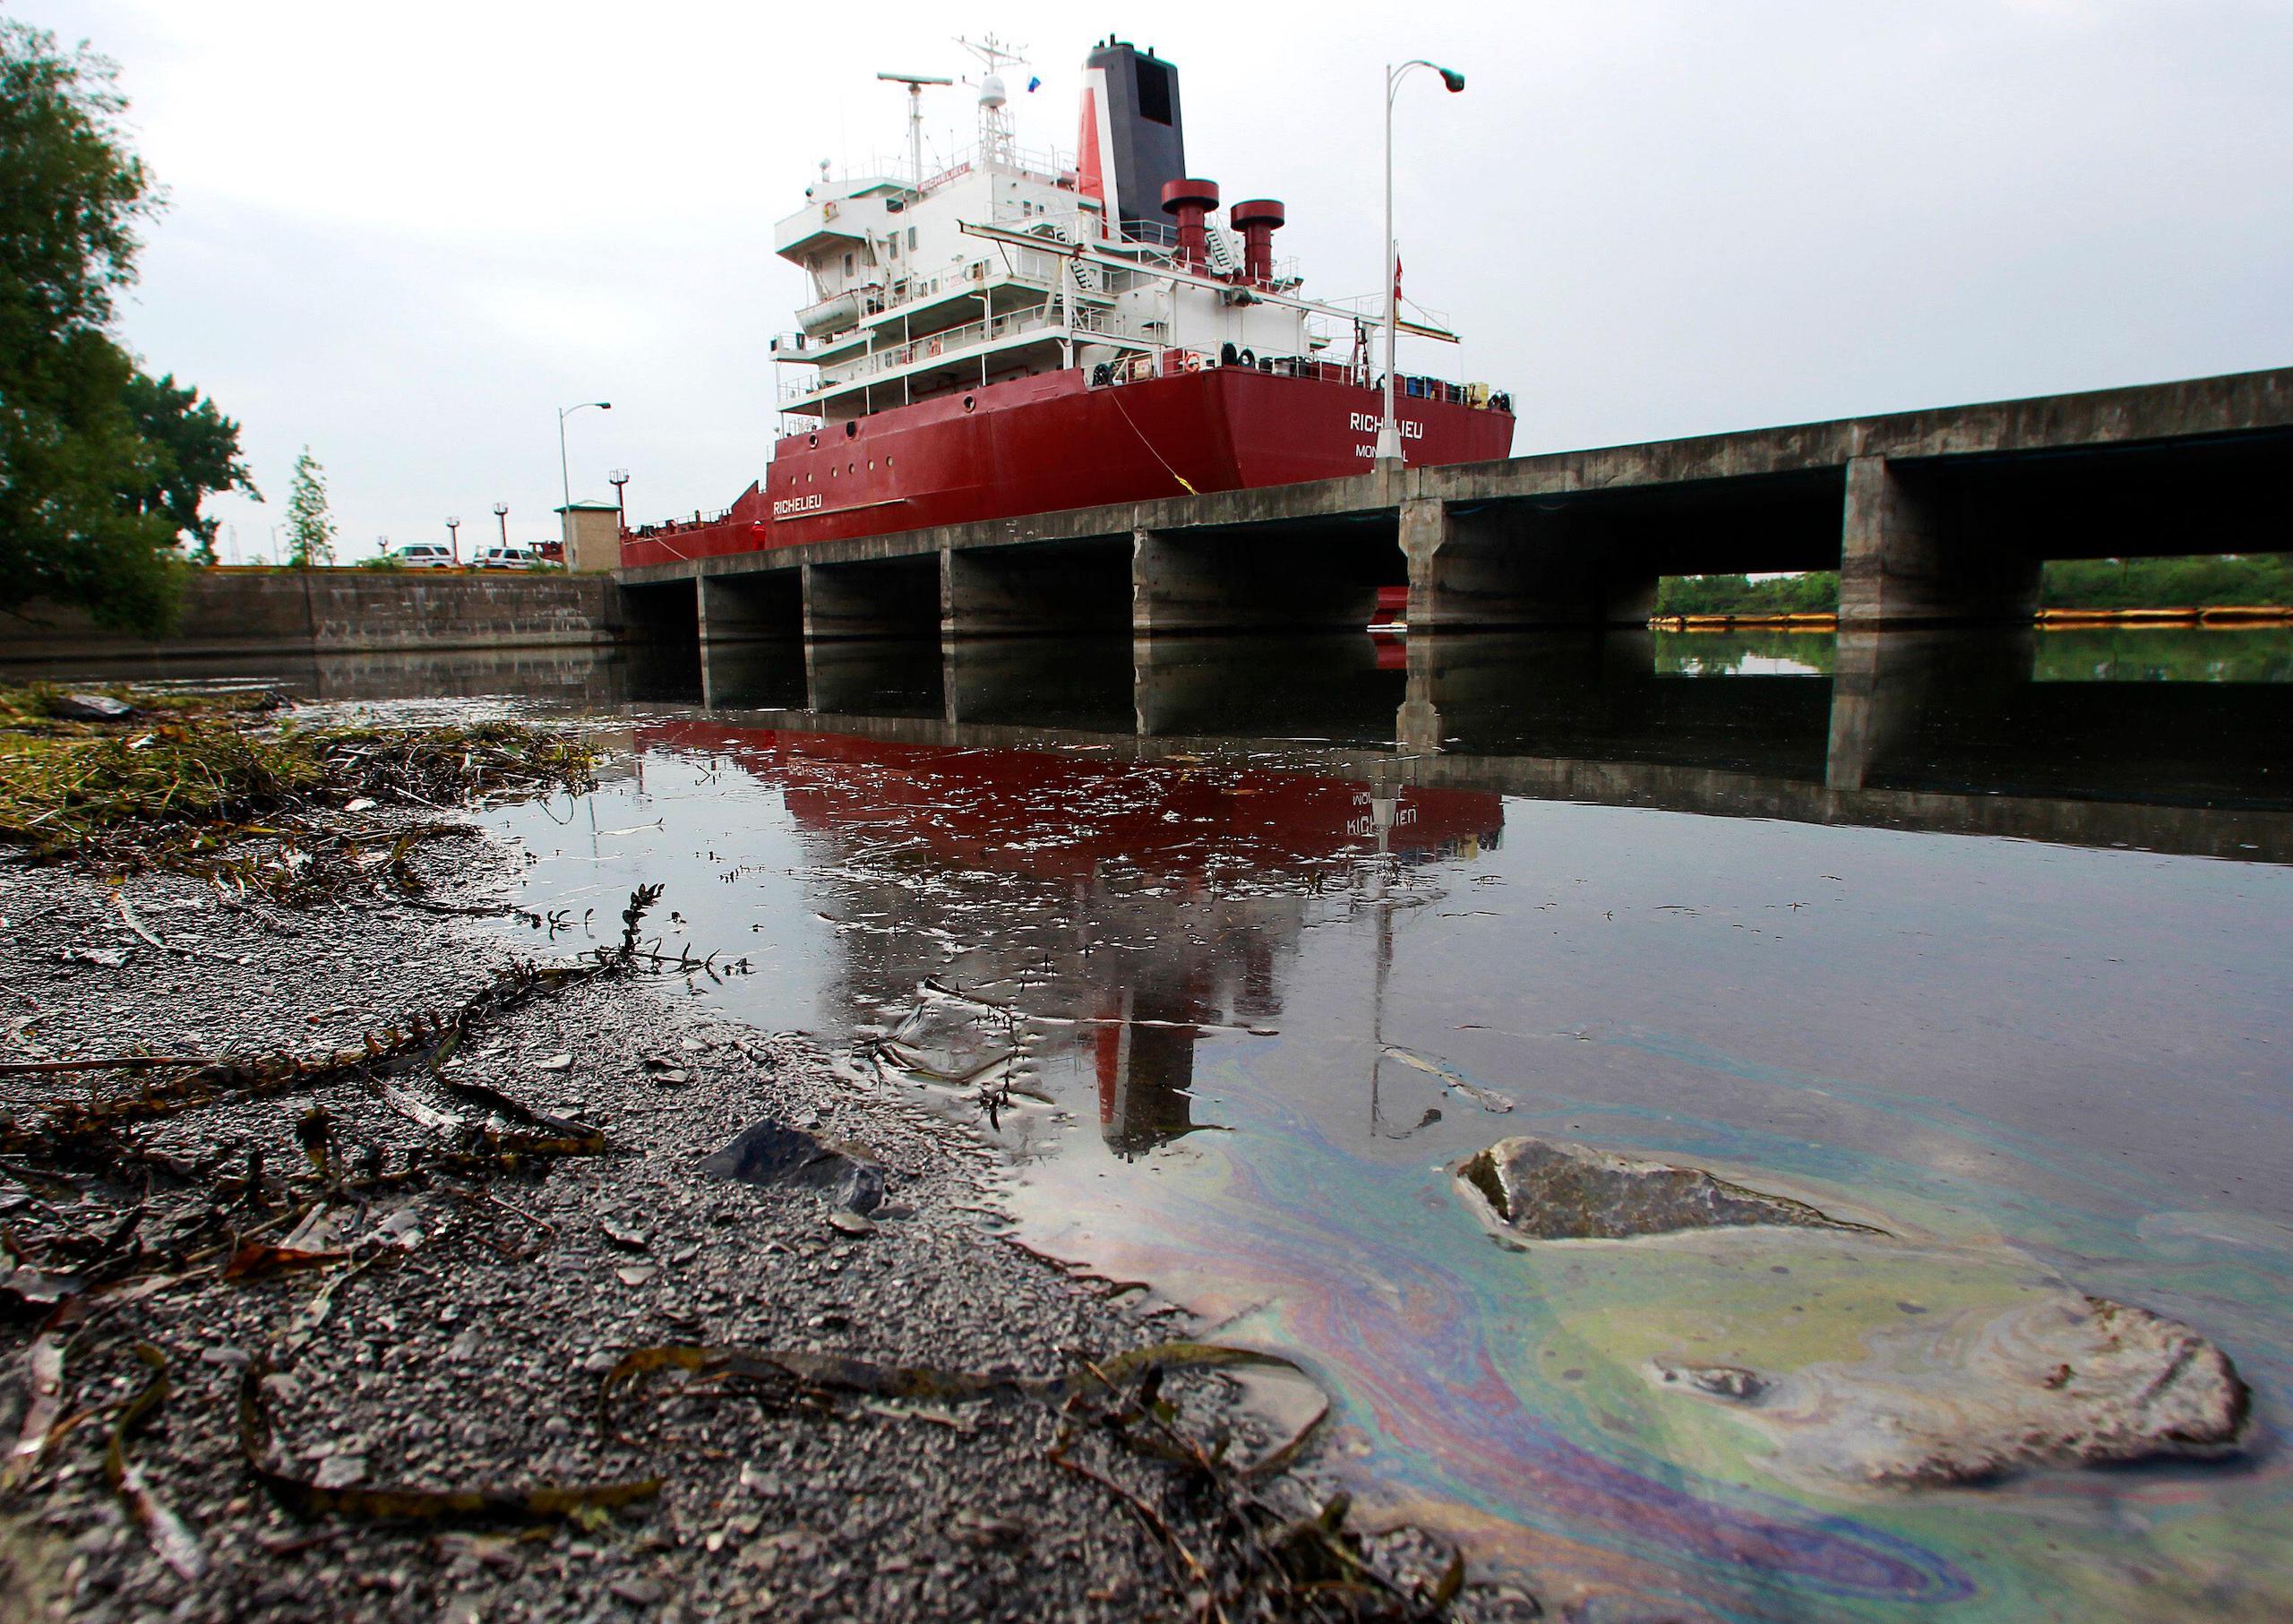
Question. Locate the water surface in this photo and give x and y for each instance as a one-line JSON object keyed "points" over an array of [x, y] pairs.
{"points": [[1237, 947]]}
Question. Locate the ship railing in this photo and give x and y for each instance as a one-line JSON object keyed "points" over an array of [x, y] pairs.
{"points": [[676, 527], [1370, 309], [950, 341], [1044, 163], [1169, 363]]}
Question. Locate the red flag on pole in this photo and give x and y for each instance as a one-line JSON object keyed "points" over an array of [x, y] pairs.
{"points": [[1396, 273]]}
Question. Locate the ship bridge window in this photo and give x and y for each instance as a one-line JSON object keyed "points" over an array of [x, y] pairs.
{"points": [[895, 245], [911, 239], [847, 264]]}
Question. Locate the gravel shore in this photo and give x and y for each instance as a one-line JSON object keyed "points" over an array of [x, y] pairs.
{"points": [[462, 1338]]}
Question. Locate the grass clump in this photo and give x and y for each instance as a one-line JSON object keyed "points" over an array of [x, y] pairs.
{"points": [[191, 773]]}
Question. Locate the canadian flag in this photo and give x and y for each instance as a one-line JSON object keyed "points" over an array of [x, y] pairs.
{"points": [[1396, 271]]}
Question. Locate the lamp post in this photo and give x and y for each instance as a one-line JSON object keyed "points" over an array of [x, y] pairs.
{"points": [[619, 479], [563, 412], [502, 512], [454, 540], [1388, 426]]}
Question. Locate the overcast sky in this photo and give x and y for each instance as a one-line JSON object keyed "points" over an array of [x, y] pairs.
{"points": [[405, 235]]}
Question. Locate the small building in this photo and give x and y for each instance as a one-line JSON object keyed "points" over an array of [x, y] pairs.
{"points": [[592, 533]]}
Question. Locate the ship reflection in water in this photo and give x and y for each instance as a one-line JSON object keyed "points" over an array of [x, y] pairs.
{"points": [[1239, 947], [1153, 902]]}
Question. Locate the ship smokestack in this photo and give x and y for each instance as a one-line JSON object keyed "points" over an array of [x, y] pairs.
{"points": [[1258, 221], [1133, 134], [1192, 201]]}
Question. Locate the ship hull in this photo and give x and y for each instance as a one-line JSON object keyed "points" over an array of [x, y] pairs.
{"points": [[1046, 442]]}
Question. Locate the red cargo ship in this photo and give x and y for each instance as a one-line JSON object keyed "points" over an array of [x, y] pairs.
{"points": [[1018, 334]]}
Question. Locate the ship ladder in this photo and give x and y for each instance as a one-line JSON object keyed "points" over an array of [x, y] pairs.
{"points": [[1220, 246], [1086, 275]]}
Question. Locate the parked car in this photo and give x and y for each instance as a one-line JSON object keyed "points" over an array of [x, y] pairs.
{"points": [[506, 558], [422, 555]]}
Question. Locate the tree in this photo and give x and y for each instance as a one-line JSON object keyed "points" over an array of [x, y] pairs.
{"points": [[194, 451], [101, 470], [310, 532]]}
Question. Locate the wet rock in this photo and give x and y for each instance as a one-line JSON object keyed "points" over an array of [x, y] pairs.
{"points": [[341, 1470], [773, 1155], [90, 708], [107, 958], [1553, 1191], [629, 1237], [2061, 1380], [1720, 1380], [639, 1591]]}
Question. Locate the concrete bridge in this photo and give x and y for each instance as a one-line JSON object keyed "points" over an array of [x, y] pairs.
{"points": [[1931, 518]]}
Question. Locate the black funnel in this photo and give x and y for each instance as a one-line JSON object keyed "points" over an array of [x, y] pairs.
{"points": [[1149, 135]]}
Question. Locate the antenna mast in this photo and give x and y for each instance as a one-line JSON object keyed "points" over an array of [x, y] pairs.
{"points": [[915, 83], [995, 144]]}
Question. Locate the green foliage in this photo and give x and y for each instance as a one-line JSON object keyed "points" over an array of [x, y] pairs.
{"points": [[1721, 653], [2165, 654], [2169, 583], [101, 469], [310, 532], [1815, 592], [381, 561], [70, 189], [194, 451], [2103, 583]]}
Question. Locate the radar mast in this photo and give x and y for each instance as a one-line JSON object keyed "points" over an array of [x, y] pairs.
{"points": [[995, 142]]}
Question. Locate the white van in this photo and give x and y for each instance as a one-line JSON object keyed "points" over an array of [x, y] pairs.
{"points": [[422, 555]]}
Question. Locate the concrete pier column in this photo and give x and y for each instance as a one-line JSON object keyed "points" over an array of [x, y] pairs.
{"points": [[1417, 721], [745, 608], [1909, 555], [1885, 684], [1488, 566], [1179, 586]]}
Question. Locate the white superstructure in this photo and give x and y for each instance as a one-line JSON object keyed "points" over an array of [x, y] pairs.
{"points": [[1008, 263]]}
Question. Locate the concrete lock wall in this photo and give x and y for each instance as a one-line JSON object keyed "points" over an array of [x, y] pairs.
{"points": [[1932, 517], [234, 612]]}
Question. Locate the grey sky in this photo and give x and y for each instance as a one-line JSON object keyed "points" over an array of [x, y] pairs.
{"points": [[406, 235]]}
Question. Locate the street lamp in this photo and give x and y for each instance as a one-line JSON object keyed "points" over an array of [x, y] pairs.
{"points": [[1388, 426], [454, 540], [502, 512], [563, 412]]}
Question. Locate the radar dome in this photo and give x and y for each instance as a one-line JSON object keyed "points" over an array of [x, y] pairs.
{"points": [[991, 91]]}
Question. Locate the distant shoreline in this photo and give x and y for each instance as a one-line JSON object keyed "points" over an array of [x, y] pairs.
{"points": [[2220, 615]]}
